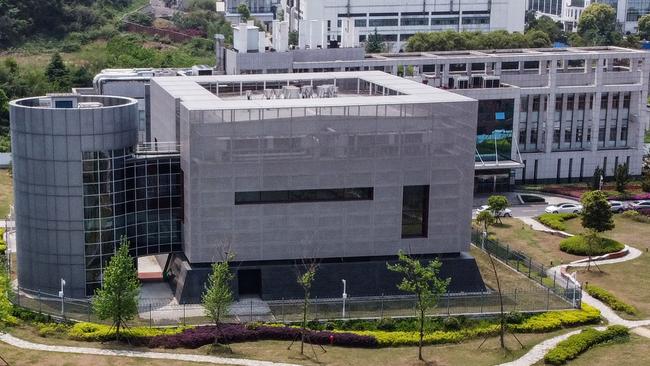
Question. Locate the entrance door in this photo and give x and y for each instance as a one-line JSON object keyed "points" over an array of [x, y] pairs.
{"points": [[249, 281]]}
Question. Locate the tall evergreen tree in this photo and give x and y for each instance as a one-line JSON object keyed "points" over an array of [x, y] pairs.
{"points": [[117, 299], [375, 43], [57, 73]]}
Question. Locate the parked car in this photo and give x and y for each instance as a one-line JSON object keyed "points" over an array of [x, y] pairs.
{"points": [[617, 206], [503, 213], [638, 205], [564, 208]]}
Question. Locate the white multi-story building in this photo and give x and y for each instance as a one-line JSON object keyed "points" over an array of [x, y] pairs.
{"points": [[396, 21], [568, 12]]}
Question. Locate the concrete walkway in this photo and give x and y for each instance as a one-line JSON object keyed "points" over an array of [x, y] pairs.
{"points": [[19, 343], [538, 226]]}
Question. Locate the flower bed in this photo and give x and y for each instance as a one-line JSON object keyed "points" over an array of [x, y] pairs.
{"points": [[235, 333], [634, 191]]}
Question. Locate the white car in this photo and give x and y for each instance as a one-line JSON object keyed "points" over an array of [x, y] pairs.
{"points": [[637, 205], [564, 208], [503, 213], [617, 206]]}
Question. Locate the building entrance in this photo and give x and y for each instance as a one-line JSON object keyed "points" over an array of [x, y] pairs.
{"points": [[249, 282]]}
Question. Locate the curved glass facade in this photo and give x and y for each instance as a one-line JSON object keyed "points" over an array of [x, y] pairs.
{"points": [[138, 197]]}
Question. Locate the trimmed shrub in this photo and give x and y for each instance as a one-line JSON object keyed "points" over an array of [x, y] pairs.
{"points": [[235, 333], [578, 245], [554, 320], [556, 221], [396, 339], [636, 216], [92, 332], [609, 299], [579, 343], [52, 329]]}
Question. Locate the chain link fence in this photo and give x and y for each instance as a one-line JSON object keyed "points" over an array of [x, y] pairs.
{"points": [[525, 265], [164, 313]]}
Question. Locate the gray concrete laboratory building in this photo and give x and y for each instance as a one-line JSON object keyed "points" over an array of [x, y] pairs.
{"points": [[341, 168]]}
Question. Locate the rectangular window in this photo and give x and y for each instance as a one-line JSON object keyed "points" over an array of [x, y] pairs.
{"points": [[383, 23], [304, 195], [415, 211]]}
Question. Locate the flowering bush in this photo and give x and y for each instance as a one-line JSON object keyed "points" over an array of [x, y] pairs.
{"points": [[235, 333]]}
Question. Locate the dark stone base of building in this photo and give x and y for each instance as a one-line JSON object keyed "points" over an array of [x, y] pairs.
{"points": [[277, 279]]}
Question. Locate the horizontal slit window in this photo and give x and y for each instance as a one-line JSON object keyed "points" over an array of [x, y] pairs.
{"points": [[305, 195]]}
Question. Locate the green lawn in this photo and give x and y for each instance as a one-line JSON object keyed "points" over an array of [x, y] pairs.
{"points": [[626, 231], [629, 280], [542, 247], [6, 193]]}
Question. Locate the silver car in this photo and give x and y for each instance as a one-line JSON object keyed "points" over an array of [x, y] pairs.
{"points": [[638, 205], [564, 208], [617, 206], [506, 212]]}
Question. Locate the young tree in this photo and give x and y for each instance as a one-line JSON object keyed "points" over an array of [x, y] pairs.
{"points": [[422, 281], [596, 217], [217, 295], [496, 205], [485, 219], [375, 43], [244, 11], [599, 175], [622, 177], [305, 280], [117, 299]]}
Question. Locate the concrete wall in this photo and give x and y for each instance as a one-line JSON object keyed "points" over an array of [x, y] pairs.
{"points": [[163, 115], [437, 150], [47, 152]]}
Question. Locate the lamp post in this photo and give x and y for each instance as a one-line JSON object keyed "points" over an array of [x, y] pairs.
{"points": [[62, 298], [345, 296]]}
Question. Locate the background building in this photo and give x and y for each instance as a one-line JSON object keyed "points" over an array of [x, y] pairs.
{"points": [[397, 21], [545, 115], [568, 12]]}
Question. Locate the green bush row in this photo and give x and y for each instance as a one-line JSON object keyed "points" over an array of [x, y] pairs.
{"points": [[396, 339], [540, 323], [556, 221], [554, 320], [609, 299], [579, 343], [578, 245], [93, 332]]}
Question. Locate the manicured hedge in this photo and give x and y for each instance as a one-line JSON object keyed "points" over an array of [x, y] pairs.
{"points": [[540, 323], [579, 343], [556, 221], [609, 299], [578, 245], [396, 339], [235, 333], [554, 320], [93, 332]]}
